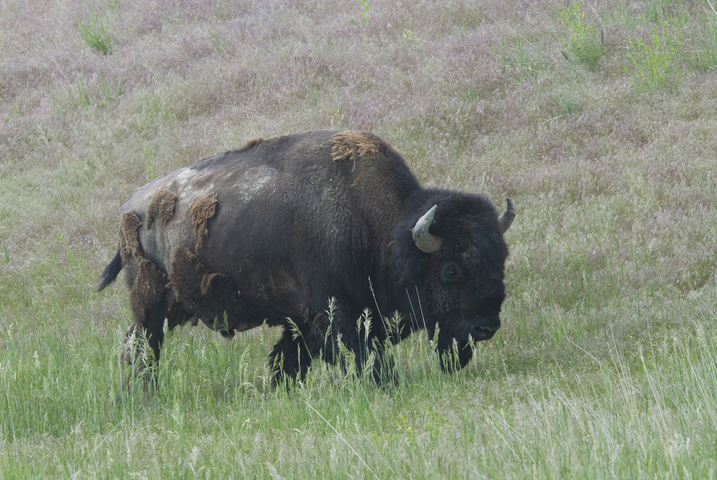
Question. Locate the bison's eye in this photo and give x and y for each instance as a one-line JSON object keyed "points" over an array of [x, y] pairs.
{"points": [[451, 272]]}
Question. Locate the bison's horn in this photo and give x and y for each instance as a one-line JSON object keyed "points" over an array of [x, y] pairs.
{"points": [[425, 241], [507, 217]]}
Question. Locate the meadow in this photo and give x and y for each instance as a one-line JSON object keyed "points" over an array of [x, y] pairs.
{"points": [[599, 118]]}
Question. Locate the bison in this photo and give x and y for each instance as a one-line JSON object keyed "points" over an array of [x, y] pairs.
{"points": [[276, 230]]}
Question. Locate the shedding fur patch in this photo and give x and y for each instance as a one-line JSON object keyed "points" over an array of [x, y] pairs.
{"points": [[186, 273], [250, 143], [208, 295], [350, 145], [212, 281], [161, 207], [201, 212], [129, 238], [253, 141], [322, 324]]}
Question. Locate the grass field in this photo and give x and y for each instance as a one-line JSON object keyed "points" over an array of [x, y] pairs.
{"points": [[598, 118]]}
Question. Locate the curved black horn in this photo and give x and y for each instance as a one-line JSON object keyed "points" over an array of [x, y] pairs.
{"points": [[507, 217], [426, 242]]}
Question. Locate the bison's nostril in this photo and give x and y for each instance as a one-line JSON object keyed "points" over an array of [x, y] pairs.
{"points": [[485, 333]]}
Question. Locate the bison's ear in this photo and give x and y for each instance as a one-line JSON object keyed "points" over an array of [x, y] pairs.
{"points": [[426, 242], [507, 217]]}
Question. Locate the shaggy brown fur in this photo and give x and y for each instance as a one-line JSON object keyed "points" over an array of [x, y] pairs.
{"points": [[209, 295], [213, 280], [148, 291], [350, 145], [129, 240], [186, 273], [321, 322], [161, 207], [251, 142], [147, 282], [201, 212]]}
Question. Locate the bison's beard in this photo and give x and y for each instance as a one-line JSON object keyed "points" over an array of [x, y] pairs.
{"points": [[454, 346]]}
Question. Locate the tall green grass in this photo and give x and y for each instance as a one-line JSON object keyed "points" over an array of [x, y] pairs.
{"points": [[634, 404]]}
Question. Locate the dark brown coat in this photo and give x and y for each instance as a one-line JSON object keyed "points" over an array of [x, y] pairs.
{"points": [[275, 230]]}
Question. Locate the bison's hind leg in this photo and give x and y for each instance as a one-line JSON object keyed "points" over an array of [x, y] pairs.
{"points": [[149, 299]]}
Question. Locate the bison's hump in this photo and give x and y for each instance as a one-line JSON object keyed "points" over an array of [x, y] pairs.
{"points": [[349, 145]]}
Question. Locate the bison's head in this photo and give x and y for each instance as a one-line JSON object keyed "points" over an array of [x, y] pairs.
{"points": [[459, 256]]}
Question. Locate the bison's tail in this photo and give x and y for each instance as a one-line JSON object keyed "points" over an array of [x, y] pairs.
{"points": [[111, 272]]}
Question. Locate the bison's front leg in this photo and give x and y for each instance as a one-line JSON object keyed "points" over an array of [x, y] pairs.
{"points": [[293, 354], [366, 336], [452, 355], [372, 346]]}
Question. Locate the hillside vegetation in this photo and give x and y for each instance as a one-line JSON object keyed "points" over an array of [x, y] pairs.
{"points": [[598, 118]]}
